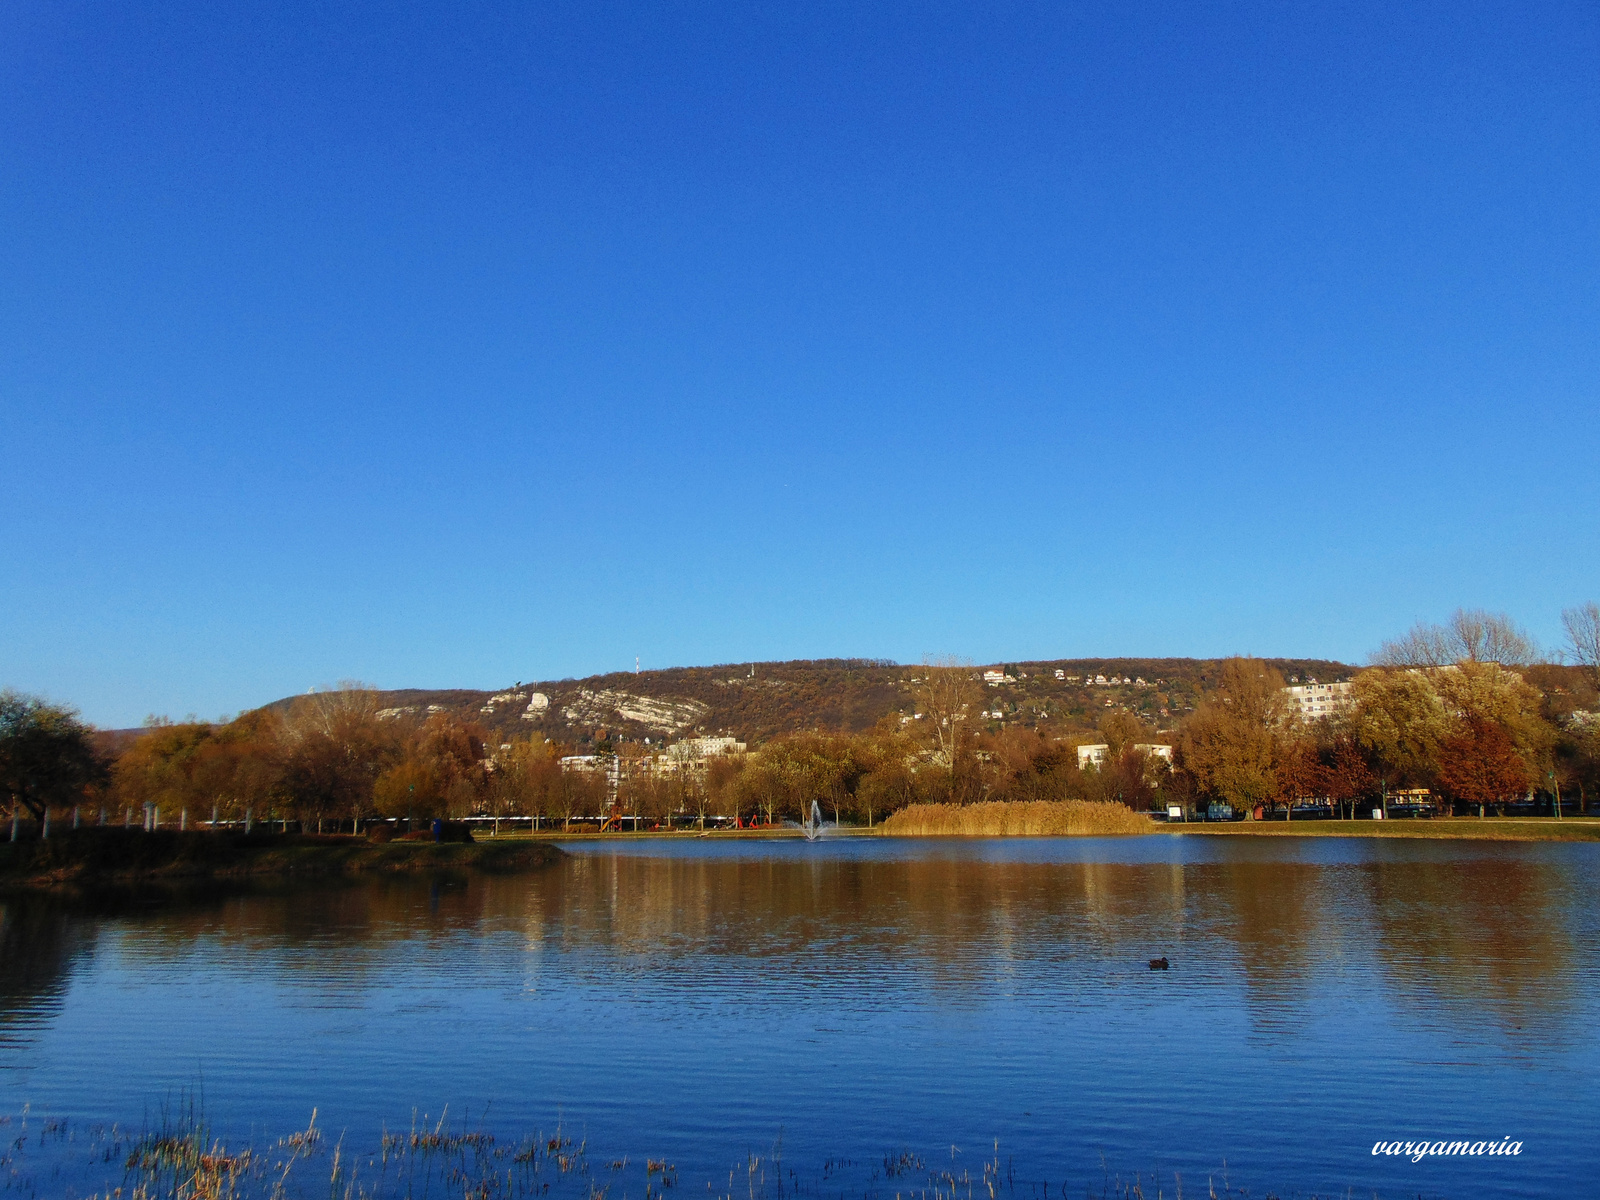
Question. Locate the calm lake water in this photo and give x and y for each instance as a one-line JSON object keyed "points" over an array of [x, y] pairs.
{"points": [[692, 999]]}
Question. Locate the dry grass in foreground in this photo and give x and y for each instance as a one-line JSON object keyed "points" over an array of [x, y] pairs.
{"points": [[1032, 818]]}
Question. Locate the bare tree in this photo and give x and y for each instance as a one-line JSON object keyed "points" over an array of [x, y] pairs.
{"points": [[1583, 638], [946, 696], [1471, 635]]}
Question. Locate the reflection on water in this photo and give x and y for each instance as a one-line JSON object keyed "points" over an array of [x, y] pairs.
{"points": [[696, 997]]}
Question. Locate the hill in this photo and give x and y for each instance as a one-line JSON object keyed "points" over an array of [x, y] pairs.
{"points": [[758, 701]]}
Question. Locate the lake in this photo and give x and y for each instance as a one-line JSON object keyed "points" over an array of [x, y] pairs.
{"points": [[696, 999]]}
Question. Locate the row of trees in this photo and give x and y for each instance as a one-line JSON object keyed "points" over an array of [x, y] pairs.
{"points": [[1459, 709], [1463, 710], [332, 759]]}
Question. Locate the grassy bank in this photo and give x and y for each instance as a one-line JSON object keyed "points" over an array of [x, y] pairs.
{"points": [[1037, 818], [92, 856], [1493, 829]]}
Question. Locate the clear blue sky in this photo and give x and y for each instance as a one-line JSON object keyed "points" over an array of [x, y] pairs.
{"points": [[439, 344]]}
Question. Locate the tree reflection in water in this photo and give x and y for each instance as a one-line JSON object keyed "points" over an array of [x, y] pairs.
{"points": [[662, 985]]}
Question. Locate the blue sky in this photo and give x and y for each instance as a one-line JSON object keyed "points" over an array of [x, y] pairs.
{"points": [[454, 344]]}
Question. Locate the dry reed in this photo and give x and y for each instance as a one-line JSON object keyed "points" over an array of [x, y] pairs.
{"points": [[1030, 818]]}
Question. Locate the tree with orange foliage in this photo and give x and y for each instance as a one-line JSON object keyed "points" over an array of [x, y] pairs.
{"points": [[1480, 765], [441, 772], [1300, 774], [1347, 777]]}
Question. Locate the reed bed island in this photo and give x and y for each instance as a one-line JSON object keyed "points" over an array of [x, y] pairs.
{"points": [[1017, 818]]}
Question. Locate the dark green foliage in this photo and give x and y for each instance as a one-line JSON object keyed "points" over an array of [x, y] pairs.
{"points": [[47, 756]]}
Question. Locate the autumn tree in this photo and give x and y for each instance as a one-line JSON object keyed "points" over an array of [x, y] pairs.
{"points": [[889, 786], [1401, 718], [575, 792], [164, 767], [523, 774], [760, 786], [1490, 692], [1346, 775], [1481, 765], [1120, 731], [335, 748], [1230, 744], [722, 784], [1130, 778], [1300, 772], [441, 771]]}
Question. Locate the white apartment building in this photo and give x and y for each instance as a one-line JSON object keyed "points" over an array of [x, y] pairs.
{"points": [[1318, 701], [695, 754], [1095, 755], [1092, 756]]}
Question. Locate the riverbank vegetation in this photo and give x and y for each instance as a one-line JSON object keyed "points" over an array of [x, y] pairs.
{"points": [[1022, 818], [180, 1157], [108, 856], [1461, 718]]}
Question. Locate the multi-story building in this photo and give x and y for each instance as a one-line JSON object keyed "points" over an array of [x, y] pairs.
{"points": [[1092, 756], [1313, 701], [695, 754], [1096, 755]]}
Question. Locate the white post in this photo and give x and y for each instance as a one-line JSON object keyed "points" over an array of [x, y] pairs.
{"points": [[102, 814], [213, 818], [247, 820], [13, 822], [183, 821], [44, 829], [155, 816], [74, 816]]}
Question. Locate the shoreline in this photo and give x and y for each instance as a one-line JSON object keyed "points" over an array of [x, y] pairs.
{"points": [[93, 858], [1491, 829], [118, 857], [1486, 829]]}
